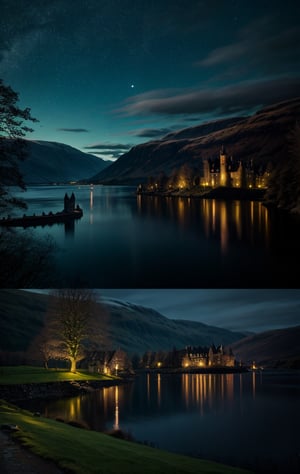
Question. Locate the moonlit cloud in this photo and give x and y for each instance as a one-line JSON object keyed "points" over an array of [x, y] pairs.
{"points": [[106, 154], [111, 151], [230, 99]]}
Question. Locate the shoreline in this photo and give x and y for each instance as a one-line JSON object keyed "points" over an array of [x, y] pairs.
{"points": [[50, 390], [197, 370], [62, 447], [71, 388], [226, 193]]}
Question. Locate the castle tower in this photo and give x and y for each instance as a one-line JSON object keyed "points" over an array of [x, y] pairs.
{"points": [[206, 172], [69, 203], [223, 171], [66, 203], [72, 202]]}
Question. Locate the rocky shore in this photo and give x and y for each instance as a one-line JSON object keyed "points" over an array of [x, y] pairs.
{"points": [[31, 391]]}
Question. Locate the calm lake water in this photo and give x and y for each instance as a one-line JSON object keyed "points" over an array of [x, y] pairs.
{"points": [[124, 240], [249, 420]]}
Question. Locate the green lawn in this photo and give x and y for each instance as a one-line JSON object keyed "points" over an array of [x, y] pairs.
{"points": [[26, 374], [89, 452]]}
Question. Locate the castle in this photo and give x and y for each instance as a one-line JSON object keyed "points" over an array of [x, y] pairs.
{"points": [[226, 171], [195, 357]]}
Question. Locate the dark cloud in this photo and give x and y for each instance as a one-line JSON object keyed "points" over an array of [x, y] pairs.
{"points": [[231, 99], [151, 132], [192, 119], [108, 146], [74, 130], [264, 44]]}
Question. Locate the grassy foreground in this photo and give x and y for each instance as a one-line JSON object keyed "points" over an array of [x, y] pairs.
{"points": [[89, 452], [27, 374]]}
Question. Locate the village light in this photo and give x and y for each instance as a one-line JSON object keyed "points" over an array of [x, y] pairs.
{"points": [[158, 364]]}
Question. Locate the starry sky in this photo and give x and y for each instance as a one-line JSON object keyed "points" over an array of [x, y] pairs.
{"points": [[104, 75]]}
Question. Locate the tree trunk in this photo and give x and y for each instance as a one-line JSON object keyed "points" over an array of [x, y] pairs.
{"points": [[73, 365]]}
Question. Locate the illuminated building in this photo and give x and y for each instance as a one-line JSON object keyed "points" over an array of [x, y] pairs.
{"points": [[212, 356], [115, 362], [225, 171]]}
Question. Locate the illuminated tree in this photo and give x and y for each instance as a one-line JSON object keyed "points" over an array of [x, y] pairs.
{"points": [[12, 145], [45, 348], [75, 322]]}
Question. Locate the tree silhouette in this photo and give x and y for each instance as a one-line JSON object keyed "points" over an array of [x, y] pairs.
{"points": [[12, 145]]}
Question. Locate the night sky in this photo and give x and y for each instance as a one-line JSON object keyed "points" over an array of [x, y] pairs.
{"points": [[254, 310], [103, 75]]}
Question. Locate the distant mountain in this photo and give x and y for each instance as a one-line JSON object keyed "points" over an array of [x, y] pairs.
{"points": [[51, 162], [261, 138], [279, 347], [135, 329]]}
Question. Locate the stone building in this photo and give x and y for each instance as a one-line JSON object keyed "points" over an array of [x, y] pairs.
{"points": [[114, 362], [69, 203], [195, 357], [225, 171]]}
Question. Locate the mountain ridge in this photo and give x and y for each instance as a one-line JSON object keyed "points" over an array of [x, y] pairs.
{"points": [[273, 348], [261, 137], [134, 328], [49, 162]]}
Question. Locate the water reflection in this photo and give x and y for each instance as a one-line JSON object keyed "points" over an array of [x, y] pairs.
{"points": [[205, 390], [116, 423], [91, 205], [224, 221], [155, 392], [183, 413], [193, 242]]}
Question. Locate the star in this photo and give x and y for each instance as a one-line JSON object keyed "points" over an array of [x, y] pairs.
{"points": [[132, 86]]}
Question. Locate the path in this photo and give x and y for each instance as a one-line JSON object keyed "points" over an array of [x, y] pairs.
{"points": [[16, 459]]}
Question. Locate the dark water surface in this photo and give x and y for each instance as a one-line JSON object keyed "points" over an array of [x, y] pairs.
{"points": [[249, 420], [124, 240]]}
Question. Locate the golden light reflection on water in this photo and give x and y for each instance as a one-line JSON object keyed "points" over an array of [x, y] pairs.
{"points": [[91, 205], [116, 423], [148, 387], [204, 389], [224, 231], [253, 383], [158, 389], [224, 220]]}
